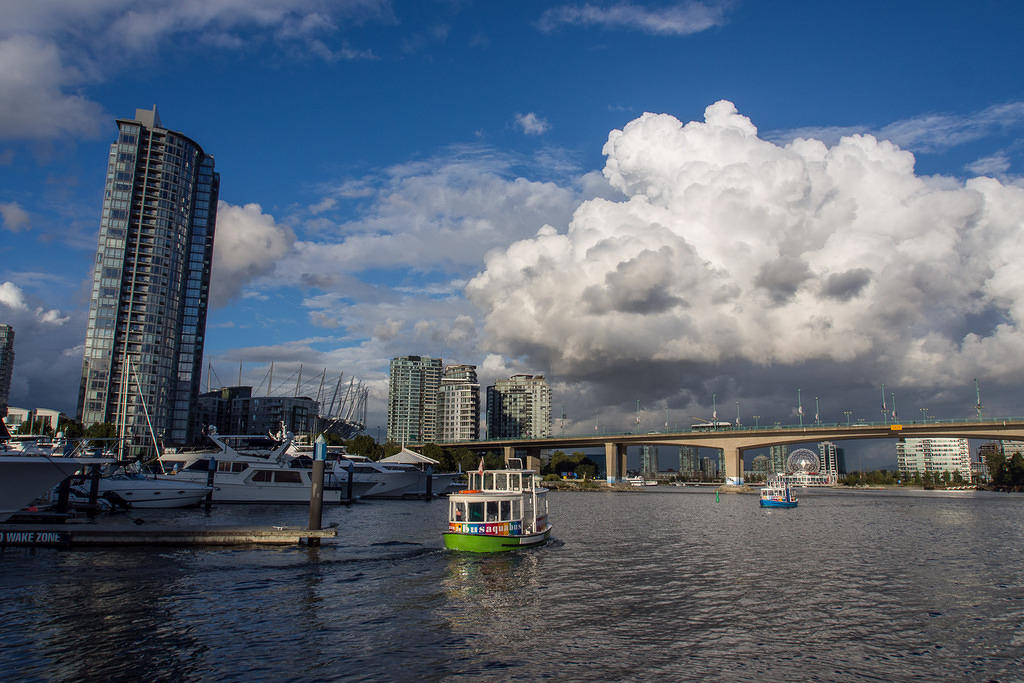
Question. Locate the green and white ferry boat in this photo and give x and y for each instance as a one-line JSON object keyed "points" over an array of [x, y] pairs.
{"points": [[500, 510]]}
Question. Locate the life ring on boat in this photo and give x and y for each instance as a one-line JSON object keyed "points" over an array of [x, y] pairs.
{"points": [[470, 491]]}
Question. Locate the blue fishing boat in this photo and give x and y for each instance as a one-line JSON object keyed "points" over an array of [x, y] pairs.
{"points": [[777, 493]]}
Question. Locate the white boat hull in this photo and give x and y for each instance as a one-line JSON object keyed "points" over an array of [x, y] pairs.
{"points": [[151, 493], [23, 479], [232, 488]]}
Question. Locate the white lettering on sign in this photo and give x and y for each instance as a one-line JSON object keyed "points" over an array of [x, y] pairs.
{"points": [[33, 538]]}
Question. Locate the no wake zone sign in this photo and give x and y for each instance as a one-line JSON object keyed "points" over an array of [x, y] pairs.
{"points": [[44, 538]]}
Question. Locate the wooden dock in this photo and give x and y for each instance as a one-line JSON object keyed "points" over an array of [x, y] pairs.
{"points": [[96, 535]]}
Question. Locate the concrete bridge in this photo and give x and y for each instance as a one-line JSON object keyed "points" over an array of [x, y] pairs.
{"points": [[735, 440]]}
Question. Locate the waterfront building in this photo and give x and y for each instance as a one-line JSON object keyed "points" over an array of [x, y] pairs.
{"points": [[648, 460], [458, 404], [413, 386], [234, 410], [519, 407], [934, 456], [15, 416], [689, 463], [709, 467], [37, 420], [150, 284], [761, 463], [828, 456], [1010, 448], [778, 456], [6, 365], [979, 467]]}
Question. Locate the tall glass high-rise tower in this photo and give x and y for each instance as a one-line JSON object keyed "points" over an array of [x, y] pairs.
{"points": [[6, 365], [519, 407], [412, 399], [458, 404], [151, 284]]}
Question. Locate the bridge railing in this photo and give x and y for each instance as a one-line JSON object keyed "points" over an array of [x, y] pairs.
{"points": [[769, 427]]}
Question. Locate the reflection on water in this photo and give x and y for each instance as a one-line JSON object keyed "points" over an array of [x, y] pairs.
{"points": [[666, 584]]}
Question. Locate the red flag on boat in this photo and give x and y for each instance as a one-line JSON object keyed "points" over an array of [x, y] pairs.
{"points": [[481, 468]]}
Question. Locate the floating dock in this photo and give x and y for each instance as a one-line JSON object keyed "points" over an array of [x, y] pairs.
{"points": [[82, 535]]}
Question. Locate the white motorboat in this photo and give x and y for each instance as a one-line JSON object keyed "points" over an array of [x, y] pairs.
{"points": [[266, 473], [128, 488], [423, 467]]}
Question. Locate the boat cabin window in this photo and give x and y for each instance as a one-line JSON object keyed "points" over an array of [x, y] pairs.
{"points": [[488, 481], [517, 512], [515, 481], [492, 511], [458, 512], [232, 466], [281, 477], [501, 481], [476, 512], [506, 510]]}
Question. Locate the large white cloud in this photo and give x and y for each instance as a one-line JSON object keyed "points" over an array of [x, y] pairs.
{"points": [[733, 250], [34, 101], [50, 50], [247, 244]]}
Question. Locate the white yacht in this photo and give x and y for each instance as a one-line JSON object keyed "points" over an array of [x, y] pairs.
{"points": [[423, 466], [255, 469], [385, 482]]}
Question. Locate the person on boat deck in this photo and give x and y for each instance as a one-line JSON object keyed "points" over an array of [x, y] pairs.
{"points": [[458, 513]]}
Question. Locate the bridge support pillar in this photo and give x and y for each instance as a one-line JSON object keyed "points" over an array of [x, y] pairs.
{"points": [[532, 461], [615, 461], [733, 457], [508, 452]]}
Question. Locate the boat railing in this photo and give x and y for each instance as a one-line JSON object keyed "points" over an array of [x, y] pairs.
{"points": [[504, 481]]}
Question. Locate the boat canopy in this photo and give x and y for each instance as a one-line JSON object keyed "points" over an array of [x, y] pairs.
{"points": [[407, 457]]}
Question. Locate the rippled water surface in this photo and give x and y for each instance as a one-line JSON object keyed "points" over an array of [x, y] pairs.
{"points": [[665, 584]]}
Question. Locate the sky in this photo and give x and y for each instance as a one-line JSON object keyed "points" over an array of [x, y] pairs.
{"points": [[687, 206]]}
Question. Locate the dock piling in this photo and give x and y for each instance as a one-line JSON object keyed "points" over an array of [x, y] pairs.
{"points": [[210, 473], [316, 496]]}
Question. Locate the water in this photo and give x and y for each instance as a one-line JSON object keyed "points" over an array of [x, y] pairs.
{"points": [[663, 584]]}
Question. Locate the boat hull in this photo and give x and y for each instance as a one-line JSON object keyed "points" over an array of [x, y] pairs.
{"points": [[778, 504], [485, 543], [25, 478]]}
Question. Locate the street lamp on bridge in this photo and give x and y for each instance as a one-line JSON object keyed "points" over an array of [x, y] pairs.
{"points": [[847, 413]]}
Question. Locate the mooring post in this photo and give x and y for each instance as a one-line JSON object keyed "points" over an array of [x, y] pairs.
{"points": [[430, 482], [211, 470], [316, 496], [350, 467], [94, 489], [64, 495]]}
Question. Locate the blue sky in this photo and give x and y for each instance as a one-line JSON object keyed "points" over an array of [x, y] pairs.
{"points": [[478, 181]]}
